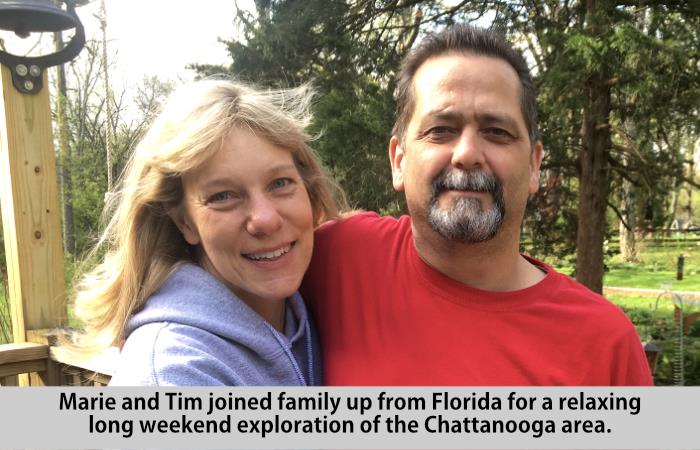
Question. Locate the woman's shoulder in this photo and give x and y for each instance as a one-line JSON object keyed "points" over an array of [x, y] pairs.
{"points": [[171, 354]]}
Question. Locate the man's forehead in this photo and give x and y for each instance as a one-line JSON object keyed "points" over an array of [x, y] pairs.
{"points": [[451, 70], [441, 83]]}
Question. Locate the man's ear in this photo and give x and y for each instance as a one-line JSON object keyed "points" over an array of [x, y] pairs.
{"points": [[535, 161], [183, 222], [396, 158]]}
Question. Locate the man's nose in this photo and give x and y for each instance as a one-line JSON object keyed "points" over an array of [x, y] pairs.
{"points": [[468, 153], [263, 216]]}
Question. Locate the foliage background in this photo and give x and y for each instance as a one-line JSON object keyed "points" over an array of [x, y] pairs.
{"points": [[641, 58]]}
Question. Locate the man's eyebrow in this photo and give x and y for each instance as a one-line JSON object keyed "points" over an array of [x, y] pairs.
{"points": [[494, 118], [488, 117], [441, 114]]}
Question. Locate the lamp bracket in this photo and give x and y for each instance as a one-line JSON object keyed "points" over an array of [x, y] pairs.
{"points": [[27, 70]]}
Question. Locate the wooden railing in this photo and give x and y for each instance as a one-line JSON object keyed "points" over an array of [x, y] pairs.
{"points": [[22, 358], [44, 365]]}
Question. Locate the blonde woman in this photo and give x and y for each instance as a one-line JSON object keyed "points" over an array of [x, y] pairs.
{"points": [[211, 233]]}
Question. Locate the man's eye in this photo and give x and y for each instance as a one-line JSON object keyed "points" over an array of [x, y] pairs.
{"points": [[220, 197], [497, 132], [439, 131]]}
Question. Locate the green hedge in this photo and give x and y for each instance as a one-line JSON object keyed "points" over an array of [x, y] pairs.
{"points": [[659, 326]]}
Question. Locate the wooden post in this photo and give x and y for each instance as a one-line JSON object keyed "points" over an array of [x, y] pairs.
{"points": [[30, 211]]}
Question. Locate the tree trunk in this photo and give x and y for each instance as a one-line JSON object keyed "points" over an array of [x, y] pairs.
{"points": [[593, 181], [628, 203], [628, 243], [689, 189], [673, 209], [65, 156]]}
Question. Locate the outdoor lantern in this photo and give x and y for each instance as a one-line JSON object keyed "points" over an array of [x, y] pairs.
{"points": [[26, 16], [652, 351]]}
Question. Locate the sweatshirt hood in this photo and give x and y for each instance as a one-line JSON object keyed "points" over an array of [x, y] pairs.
{"points": [[192, 296]]}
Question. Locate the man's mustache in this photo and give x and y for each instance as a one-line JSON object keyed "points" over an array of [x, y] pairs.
{"points": [[466, 180]]}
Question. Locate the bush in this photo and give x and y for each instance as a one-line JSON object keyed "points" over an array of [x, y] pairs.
{"points": [[660, 327]]}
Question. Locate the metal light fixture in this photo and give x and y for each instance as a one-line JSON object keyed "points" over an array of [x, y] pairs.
{"points": [[27, 16], [652, 352]]}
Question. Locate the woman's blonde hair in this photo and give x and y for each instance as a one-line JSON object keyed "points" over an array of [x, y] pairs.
{"points": [[140, 242]]}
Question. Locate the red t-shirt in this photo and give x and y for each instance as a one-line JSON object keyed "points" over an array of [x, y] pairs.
{"points": [[387, 318]]}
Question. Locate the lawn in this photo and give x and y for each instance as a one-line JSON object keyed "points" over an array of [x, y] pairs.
{"points": [[656, 268], [639, 277], [626, 302]]}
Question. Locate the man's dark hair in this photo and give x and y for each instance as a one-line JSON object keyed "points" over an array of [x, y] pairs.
{"points": [[463, 39]]}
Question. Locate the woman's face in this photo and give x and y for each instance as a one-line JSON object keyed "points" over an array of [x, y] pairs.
{"points": [[248, 210]]}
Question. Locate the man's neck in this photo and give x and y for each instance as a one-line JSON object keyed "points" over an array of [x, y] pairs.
{"points": [[493, 265]]}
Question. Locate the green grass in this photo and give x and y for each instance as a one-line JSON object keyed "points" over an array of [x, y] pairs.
{"points": [[635, 301], [663, 304], [656, 268], [644, 279]]}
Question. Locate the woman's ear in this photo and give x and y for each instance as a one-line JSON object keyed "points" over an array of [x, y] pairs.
{"points": [[184, 223]]}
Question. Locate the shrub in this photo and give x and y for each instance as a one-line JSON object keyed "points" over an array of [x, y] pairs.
{"points": [[679, 360]]}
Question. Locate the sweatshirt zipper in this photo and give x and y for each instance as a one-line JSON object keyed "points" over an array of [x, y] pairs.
{"points": [[288, 351]]}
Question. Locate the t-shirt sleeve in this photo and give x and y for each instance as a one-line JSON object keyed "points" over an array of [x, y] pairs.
{"points": [[631, 367]]}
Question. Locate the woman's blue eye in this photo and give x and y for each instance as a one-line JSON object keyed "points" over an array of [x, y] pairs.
{"points": [[281, 183]]}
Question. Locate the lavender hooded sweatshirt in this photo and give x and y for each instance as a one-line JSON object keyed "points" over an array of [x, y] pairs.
{"points": [[195, 332]]}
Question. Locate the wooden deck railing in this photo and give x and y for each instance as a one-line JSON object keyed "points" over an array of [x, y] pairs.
{"points": [[48, 366], [17, 359]]}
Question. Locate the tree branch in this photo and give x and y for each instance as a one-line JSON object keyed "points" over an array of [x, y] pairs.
{"points": [[691, 182], [619, 216]]}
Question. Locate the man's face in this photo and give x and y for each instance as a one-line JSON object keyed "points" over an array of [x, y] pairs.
{"points": [[466, 165]]}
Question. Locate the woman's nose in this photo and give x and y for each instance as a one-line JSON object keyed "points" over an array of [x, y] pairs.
{"points": [[263, 218]]}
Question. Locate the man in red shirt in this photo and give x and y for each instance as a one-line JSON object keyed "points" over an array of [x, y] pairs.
{"points": [[444, 297]]}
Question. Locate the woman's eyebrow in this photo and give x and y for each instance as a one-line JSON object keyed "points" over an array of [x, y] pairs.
{"points": [[224, 180], [282, 168]]}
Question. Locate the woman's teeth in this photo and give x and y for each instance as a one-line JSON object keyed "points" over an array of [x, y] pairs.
{"points": [[267, 256]]}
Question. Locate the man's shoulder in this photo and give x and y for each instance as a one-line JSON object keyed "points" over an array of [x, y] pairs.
{"points": [[365, 225], [600, 324], [591, 307], [361, 242]]}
